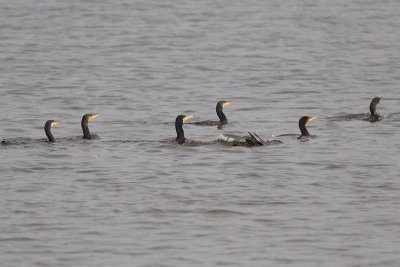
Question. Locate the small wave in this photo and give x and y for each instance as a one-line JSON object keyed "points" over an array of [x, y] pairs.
{"points": [[224, 212], [18, 239], [350, 117]]}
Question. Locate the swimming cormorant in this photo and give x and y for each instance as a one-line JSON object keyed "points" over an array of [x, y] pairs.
{"points": [[302, 125], [47, 129], [374, 116], [222, 118], [180, 135], [85, 128]]}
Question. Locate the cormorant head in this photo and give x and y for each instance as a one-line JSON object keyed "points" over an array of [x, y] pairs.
{"points": [[376, 100], [302, 124], [89, 117], [305, 119], [222, 104], [51, 123], [181, 119]]}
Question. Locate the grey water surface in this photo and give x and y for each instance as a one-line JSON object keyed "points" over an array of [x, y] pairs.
{"points": [[128, 200]]}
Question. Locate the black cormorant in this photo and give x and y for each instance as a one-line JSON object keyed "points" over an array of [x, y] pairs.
{"points": [[374, 116], [222, 118], [180, 135], [47, 129], [302, 125], [85, 128]]}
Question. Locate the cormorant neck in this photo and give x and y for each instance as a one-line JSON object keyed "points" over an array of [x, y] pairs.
{"points": [[221, 115], [49, 134], [303, 129], [85, 129], [180, 135], [372, 109]]}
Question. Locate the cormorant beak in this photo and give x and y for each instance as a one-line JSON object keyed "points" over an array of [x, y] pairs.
{"points": [[311, 119], [92, 116], [187, 117], [54, 123], [226, 103]]}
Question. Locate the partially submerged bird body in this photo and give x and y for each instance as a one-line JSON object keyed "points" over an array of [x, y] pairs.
{"points": [[221, 115], [248, 141], [85, 125], [19, 141]]}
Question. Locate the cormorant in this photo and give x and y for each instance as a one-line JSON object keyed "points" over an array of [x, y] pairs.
{"points": [[47, 129], [222, 118], [374, 116], [85, 128], [302, 125], [180, 135]]}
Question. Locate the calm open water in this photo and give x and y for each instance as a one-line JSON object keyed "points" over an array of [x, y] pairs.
{"points": [[127, 200]]}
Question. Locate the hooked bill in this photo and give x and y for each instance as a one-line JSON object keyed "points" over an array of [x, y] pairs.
{"points": [[92, 116], [187, 117]]}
